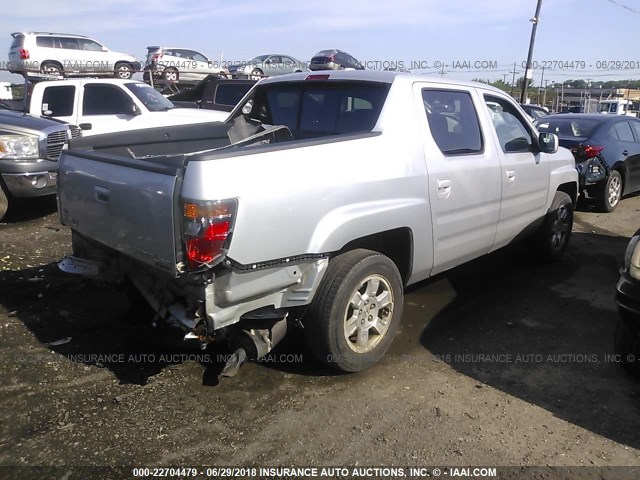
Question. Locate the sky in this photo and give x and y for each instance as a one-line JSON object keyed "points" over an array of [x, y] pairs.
{"points": [[453, 32]]}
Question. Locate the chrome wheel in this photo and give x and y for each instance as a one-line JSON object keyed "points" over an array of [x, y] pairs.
{"points": [[124, 72], [171, 75], [368, 315], [560, 228], [615, 191]]}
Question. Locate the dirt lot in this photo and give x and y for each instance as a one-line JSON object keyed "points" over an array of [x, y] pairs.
{"points": [[500, 362]]}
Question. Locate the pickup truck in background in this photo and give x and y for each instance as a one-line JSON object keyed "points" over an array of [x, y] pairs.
{"points": [[213, 93], [29, 151], [314, 205], [110, 105]]}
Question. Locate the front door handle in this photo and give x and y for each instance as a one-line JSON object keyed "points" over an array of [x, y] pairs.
{"points": [[511, 176], [85, 126], [444, 188], [625, 152]]}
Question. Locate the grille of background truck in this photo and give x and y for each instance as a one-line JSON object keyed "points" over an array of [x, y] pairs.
{"points": [[55, 142]]}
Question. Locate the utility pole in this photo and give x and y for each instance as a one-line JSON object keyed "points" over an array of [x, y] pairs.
{"points": [[541, 82], [504, 77], [535, 20], [442, 73], [544, 98], [513, 83]]}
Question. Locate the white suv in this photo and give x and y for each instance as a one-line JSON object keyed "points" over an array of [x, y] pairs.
{"points": [[61, 54]]}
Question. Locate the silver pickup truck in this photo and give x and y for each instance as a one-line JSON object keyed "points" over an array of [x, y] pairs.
{"points": [[314, 205]]}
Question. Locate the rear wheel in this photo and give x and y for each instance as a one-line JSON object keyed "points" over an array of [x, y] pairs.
{"points": [[170, 75], [4, 202], [612, 192], [356, 311], [553, 237], [123, 71], [51, 68]]}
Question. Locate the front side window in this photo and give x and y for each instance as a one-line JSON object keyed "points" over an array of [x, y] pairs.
{"points": [[513, 134], [636, 130], [453, 121], [230, 93], [69, 43], [58, 100], [102, 99], [89, 45], [150, 97]]}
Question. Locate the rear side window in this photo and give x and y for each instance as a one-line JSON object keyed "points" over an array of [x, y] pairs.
{"points": [[453, 121], [106, 100], [230, 94], [315, 109], [636, 130], [46, 42], [622, 131], [59, 100]]}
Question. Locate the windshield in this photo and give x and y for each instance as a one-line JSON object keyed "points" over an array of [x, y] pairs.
{"points": [[150, 97], [564, 127], [259, 58], [611, 107]]}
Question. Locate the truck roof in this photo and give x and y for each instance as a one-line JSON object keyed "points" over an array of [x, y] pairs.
{"points": [[375, 76], [76, 81]]}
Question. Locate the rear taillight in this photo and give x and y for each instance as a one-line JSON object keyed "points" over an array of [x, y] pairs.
{"points": [[588, 151], [24, 54], [207, 228]]}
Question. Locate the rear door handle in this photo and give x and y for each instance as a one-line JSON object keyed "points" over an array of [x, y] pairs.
{"points": [[444, 188], [511, 176], [102, 194], [85, 126], [625, 152]]}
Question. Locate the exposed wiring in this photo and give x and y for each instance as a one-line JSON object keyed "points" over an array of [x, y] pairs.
{"points": [[626, 7]]}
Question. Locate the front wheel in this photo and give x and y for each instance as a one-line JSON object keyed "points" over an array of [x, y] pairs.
{"points": [[553, 237], [612, 192], [256, 74], [171, 75], [356, 311]]}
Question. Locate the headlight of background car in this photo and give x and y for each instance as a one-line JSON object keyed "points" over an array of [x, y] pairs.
{"points": [[18, 146], [632, 257]]}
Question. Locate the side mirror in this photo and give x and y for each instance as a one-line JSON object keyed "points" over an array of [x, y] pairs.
{"points": [[548, 143], [47, 113], [135, 110], [104, 49]]}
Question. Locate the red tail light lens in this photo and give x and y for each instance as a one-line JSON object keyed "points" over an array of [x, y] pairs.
{"points": [[207, 228], [24, 54], [589, 151]]}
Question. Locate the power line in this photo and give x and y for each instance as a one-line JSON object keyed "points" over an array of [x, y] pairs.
{"points": [[624, 6]]}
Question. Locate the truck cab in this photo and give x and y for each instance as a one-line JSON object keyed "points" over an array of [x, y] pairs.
{"points": [[108, 105]]}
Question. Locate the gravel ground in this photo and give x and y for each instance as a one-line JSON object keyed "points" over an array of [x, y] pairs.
{"points": [[501, 362]]}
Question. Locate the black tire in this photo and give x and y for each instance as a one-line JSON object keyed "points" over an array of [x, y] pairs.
{"points": [[123, 71], [171, 75], [627, 346], [611, 192], [325, 323], [552, 238], [51, 68], [4, 202]]}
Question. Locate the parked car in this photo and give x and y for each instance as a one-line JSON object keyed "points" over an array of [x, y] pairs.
{"points": [[267, 66], [213, 93], [180, 65], [29, 151], [534, 111], [61, 54], [334, 60], [607, 153], [627, 336], [109, 105], [325, 232]]}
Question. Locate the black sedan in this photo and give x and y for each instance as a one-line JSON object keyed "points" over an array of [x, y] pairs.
{"points": [[627, 338], [607, 153]]}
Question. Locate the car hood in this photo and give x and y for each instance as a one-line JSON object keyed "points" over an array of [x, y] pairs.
{"points": [[16, 120]]}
